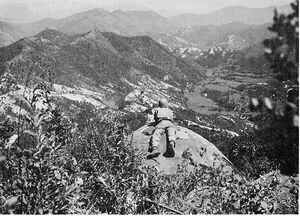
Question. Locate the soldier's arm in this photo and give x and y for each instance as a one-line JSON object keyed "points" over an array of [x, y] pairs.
{"points": [[172, 116], [151, 118]]}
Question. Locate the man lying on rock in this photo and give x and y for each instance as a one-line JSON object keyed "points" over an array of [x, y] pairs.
{"points": [[164, 123]]}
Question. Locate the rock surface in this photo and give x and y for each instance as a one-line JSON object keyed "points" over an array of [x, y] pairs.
{"points": [[189, 146]]}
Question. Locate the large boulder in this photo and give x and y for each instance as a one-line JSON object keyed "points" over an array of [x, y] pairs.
{"points": [[190, 146]]}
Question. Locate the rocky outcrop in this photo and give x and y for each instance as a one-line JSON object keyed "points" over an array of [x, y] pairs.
{"points": [[190, 146]]}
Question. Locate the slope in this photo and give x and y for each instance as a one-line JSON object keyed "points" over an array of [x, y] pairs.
{"points": [[121, 22], [9, 33], [113, 65], [235, 34]]}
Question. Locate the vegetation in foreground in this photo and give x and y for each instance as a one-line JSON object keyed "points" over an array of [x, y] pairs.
{"points": [[83, 164]]}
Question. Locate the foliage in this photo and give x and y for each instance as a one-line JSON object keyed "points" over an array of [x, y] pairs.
{"points": [[275, 144], [269, 148], [215, 191], [283, 50], [32, 174], [86, 164], [55, 164]]}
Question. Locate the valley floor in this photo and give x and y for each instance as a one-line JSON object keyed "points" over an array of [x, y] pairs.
{"points": [[222, 88]]}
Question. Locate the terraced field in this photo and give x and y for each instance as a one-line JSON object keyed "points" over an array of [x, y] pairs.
{"points": [[223, 91]]}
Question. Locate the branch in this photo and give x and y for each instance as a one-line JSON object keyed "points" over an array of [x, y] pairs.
{"points": [[166, 207]]}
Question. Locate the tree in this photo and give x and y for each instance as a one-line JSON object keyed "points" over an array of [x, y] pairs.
{"points": [[283, 50], [281, 130]]}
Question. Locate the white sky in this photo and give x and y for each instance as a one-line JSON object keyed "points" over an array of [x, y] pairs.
{"points": [[38, 9]]}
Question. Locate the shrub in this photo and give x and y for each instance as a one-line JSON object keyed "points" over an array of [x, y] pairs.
{"points": [[32, 173]]}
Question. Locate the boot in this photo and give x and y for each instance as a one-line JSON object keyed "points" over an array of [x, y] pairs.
{"points": [[170, 149], [154, 153]]}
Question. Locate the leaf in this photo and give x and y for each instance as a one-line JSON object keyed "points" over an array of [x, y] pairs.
{"points": [[35, 119], [11, 202], [254, 102], [24, 200], [264, 205], [102, 180], [236, 205], [11, 140], [28, 118], [26, 102], [79, 181], [40, 130], [2, 158], [30, 133], [268, 50], [80, 203], [74, 161], [296, 121], [268, 103], [69, 189], [275, 206], [39, 120], [57, 174]]}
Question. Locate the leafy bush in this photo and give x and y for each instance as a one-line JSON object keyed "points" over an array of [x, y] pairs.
{"points": [[55, 164], [273, 146], [214, 191], [32, 173]]}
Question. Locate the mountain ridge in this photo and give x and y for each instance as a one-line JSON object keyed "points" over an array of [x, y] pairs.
{"points": [[234, 35], [99, 60], [229, 14], [133, 22]]}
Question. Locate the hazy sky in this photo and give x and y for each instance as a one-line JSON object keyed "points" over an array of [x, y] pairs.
{"points": [[38, 9]]}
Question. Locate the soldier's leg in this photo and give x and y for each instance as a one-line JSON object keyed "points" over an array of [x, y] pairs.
{"points": [[171, 142], [171, 134], [154, 152], [156, 136]]}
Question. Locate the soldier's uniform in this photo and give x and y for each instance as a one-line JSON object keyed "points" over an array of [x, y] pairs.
{"points": [[164, 119], [164, 123]]}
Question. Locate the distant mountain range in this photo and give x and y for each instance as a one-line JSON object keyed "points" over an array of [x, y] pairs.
{"points": [[231, 36], [139, 23], [120, 22], [229, 14], [235, 35]]}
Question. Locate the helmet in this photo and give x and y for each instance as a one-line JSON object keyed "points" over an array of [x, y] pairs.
{"points": [[163, 103]]}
